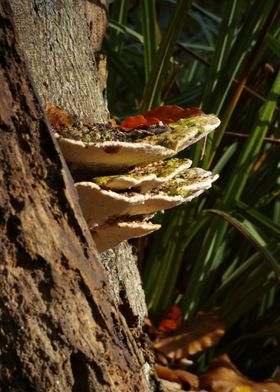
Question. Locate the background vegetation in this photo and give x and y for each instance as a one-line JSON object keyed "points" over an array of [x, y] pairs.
{"points": [[222, 250]]}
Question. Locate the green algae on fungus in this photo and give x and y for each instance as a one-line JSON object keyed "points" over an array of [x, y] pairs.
{"points": [[146, 177], [110, 157], [193, 180], [94, 133], [135, 148], [100, 205], [98, 133], [185, 132], [170, 136]]}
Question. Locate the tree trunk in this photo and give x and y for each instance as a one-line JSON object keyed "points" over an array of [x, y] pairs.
{"points": [[60, 329], [52, 34], [55, 39]]}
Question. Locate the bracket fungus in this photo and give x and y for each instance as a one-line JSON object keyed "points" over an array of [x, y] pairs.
{"points": [[111, 234], [99, 205], [132, 169], [94, 152], [146, 177]]}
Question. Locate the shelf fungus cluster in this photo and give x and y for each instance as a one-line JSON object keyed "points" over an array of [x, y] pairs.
{"points": [[123, 176]]}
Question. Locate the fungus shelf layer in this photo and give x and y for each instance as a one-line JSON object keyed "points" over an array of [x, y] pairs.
{"points": [[131, 173], [136, 148]]}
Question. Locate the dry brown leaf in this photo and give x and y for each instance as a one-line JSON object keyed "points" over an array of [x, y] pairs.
{"points": [[58, 118], [166, 373], [170, 386], [187, 378], [223, 376], [203, 331], [161, 358]]}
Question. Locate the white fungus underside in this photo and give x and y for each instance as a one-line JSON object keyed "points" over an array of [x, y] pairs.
{"points": [[109, 235]]}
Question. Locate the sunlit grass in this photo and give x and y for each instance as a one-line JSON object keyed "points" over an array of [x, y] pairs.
{"points": [[225, 60]]}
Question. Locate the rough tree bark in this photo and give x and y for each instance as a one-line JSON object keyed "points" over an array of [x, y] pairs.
{"points": [[61, 41], [55, 39], [60, 329]]}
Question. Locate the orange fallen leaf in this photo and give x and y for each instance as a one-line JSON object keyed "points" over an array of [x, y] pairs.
{"points": [[187, 378], [166, 373], [58, 118], [133, 122], [171, 113], [260, 161], [182, 377], [166, 111], [189, 112], [165, 114], [223, 376], [172, 320], [113, 122], [203, 331]]}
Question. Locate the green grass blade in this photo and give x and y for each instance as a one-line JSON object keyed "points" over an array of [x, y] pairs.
{"points": [[224, 42], [225, 158], [115, 43], [273, 44], [119, 15], [253, 145], [250, 237], [260, 220], [125, 30], [234, 60], [150, 34], [121, 67], [243, 80], [155, 84]]}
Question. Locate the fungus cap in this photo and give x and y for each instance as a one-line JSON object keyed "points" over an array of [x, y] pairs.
{"points": [[146, 177], [99, 205], [111, 156], [111, 234]]}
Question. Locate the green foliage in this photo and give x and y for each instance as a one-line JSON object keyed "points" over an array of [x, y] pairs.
{"points": [[223, 249]]}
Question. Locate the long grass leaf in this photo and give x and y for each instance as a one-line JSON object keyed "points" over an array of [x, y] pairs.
{"points": [[243, 80], [119, 15], [248, 235], [155, 84], [125, 30], [150, 34], [223, 44], [260, 220], [273, 44], [253, 145]]}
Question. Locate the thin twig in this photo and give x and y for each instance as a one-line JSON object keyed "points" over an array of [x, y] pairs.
{"points": [[205, 62], [271, 140]]}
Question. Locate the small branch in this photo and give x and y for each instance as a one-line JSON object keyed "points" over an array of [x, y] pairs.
{"points": [[271, 140], [196, 56]]}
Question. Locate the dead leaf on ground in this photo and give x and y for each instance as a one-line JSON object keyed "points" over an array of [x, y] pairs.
{"points": [[181, 377], [166, 373], [187, 378], [172, 320], [203, 331], [170, 386], [58, 118], [166, 114], [223, 376]]}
